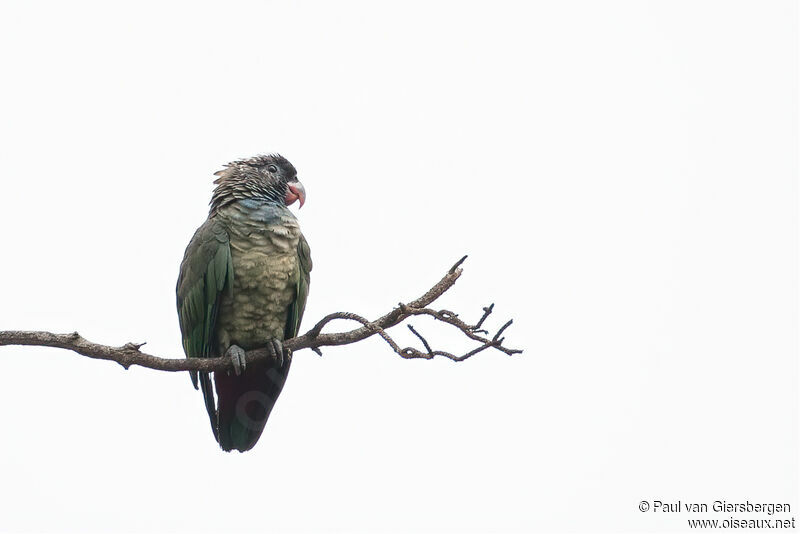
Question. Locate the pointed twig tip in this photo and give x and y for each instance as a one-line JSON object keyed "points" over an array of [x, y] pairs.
{"points": [[458, 264]]}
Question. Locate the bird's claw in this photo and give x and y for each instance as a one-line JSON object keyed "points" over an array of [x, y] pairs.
{"points": [[275, 348], [236, 354]]}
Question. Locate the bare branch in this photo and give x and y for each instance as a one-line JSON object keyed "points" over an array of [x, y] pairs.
{"points": [[130, 353]]}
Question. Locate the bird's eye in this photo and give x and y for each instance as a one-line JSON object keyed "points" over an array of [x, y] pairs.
{"points": [[272, 168]]}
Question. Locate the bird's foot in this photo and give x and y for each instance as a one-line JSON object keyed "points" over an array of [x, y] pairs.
{"points": [[236, 354], [275, 349]]}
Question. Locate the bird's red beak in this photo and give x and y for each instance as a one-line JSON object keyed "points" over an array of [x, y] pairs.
{"points": [[295, 191]]}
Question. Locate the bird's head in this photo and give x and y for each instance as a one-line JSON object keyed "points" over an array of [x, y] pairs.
{"points": [[270, 178]]}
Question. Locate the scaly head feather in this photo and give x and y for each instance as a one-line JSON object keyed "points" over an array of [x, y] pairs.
{"points": [[270, 178]]}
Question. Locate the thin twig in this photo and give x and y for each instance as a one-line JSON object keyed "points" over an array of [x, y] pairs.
{"points": [[424, 341], [486, 312]]}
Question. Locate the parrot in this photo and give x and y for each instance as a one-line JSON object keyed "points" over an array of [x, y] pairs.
{"points": [[243, 285]]}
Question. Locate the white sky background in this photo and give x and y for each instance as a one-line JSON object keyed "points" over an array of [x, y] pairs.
{"points": [[622, 174]]}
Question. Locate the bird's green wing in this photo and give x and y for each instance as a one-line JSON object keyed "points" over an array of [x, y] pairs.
{"points": [[206, 271], [298, 306]]}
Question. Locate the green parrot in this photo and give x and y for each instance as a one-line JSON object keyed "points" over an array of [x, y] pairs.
{"points": [[243, 285]]}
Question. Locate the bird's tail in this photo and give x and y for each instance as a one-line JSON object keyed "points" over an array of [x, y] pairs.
{"points": [[244, 402]]}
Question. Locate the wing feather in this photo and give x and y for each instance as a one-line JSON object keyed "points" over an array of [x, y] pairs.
{"points": [[298, 306], [206, 271]]}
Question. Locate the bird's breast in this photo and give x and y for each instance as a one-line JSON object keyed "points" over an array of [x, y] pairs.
{"points": [[265, 271]]}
